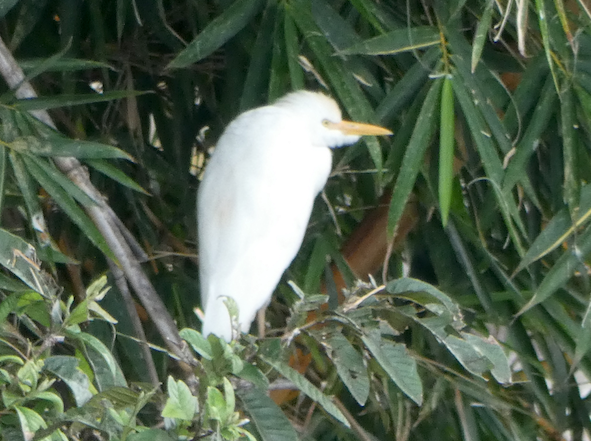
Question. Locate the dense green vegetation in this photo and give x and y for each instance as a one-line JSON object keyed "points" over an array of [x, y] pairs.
{"points": [[472, 220]]}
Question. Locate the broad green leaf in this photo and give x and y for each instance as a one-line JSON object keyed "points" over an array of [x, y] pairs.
{"points": [[66, 369], [491, 349], [9, 303], [53, 398], [423, 293], [446, 149], [73, 100], [350, 367], [60, 146], [398, 364], [19, 257], [394, 42], [180, 403], [305, 387], [107, 372], [30, 421], [413, 157], [269, 419], [482, 29], [217, 32], [199, 343], [114, 173]]}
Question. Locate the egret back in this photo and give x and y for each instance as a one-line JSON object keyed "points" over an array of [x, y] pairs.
{"points": [[254, 204]]}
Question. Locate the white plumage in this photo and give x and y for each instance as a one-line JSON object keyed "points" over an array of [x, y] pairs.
{"points": [[256, 198]]}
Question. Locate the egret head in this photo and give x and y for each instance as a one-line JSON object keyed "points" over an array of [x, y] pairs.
{"points": [[321, 117]]}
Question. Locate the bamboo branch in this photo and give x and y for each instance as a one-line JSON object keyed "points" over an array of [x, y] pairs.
{"points": [[106, 221]]}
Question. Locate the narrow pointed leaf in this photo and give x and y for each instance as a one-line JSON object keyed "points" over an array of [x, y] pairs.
{"points": [[413, 157], [217, 32], [60, 146], [54, 102], [306, 387], [446, 149], [394, 42], [481, 34]]}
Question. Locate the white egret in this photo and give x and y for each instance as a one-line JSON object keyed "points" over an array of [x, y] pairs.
{"points": [[256, 197]]}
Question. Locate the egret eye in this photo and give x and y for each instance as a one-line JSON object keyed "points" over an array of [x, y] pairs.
{"points": [[326, 123]]}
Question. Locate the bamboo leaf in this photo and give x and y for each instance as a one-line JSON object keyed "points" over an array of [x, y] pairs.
{"points": [[394, 42], [65, 100], [413, 157], [60, 146], [482, 29], [446, 149], [560, 227], [114, 173], [65, 201], [217, 32], [306, 387]]}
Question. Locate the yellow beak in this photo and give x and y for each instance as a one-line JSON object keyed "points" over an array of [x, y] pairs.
{"points": [[355, 128]]}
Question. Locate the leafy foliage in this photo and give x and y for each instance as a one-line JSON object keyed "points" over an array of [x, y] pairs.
{"points": [[473, 219]]}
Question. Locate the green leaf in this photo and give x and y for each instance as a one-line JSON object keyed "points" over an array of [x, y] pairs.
{"points": [[398, 364], [66, 369], [19, 257], [269, 419], [65, 201], [560, 227], [114, 173], [394, 42], [43, 171], [562, 270], [569, 131], [60, 146], [413, 157], [199, 343], [305, 387], [217, 32], [30, 421], [343, 82], [422, 293], [446, 149], [180, 403], [350, 367], [73, 100], [528, 144], [62, 65], [151, 435], [482, 29], [107, 372]]}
